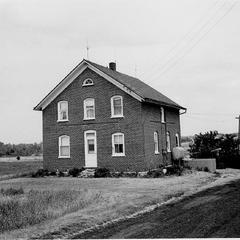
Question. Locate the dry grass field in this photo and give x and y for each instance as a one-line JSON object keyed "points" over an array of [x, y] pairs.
{"points": [[69, 205]]}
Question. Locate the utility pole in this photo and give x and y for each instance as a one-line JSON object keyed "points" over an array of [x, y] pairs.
{"points": [[238, 134]]}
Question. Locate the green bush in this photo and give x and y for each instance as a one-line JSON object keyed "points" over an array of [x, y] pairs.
{"points": [[175, 170], [205, 169], [40, 173], [74, 172], [171, 170], [102, 172], [155, 173], [52, 173]]}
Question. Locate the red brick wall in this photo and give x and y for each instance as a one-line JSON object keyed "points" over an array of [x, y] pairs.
{"points": [[152, 122], [139, 122], [102, 91]]}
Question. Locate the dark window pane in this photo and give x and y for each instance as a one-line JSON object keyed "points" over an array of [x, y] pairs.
{"points": [[91, 146], [118, 148]]}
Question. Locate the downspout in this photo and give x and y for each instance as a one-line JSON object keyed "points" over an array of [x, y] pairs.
{"points": [[180, 134]]}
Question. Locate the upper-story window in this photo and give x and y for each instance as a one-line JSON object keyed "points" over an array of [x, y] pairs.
{"points": [[62, 111], [118, 146], [87, 82], [156, 148], [117, 106], [163, 115], [89, 108], [168, 142], [64, 146], [177, 140]]}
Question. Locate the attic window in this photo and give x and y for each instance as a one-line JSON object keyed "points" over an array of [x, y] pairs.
{"points": [[88, 82]]}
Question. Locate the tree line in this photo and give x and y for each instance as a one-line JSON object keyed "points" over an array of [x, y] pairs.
{"points": [[21, 149]]}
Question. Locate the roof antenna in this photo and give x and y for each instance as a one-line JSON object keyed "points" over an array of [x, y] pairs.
{"points": [[135, 70], [115, 55], [87, 47]]}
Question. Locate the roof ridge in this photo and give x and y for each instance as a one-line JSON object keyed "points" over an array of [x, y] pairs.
{"points": [[138, 90], [111, 69]]}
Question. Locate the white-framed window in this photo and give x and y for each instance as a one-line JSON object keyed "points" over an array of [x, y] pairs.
{"points": [[156, 147], [168, 142], [162, 115], [177, 140], [62, 111], [89, 108], [64, 146], [116, 106], [118, 146], [87, 82]]}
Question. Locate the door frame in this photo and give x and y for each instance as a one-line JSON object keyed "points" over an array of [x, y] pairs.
{"points": [[86, 145]]}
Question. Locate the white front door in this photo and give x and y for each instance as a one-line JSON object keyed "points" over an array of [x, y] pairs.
{"points": [[90, 142]]}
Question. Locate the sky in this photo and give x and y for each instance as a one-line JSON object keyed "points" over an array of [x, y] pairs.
{"points": [[186, 49]]}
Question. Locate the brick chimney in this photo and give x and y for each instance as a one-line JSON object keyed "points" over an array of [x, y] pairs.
{"points": [[112, 66]]}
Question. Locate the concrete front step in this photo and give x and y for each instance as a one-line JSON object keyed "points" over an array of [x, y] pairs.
{"points": [[87, 173]]}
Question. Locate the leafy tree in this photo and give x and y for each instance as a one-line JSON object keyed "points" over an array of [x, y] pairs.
{"points": [[205, 143]]}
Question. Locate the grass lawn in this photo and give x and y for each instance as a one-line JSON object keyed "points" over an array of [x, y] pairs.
{"points": [[7, 168], [102, 200], [22, 159]]}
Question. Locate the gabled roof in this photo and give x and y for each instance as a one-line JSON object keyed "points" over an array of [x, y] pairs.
{"points": [[133, 86]]}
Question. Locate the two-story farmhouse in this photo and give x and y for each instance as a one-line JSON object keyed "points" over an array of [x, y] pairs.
{"points": [[99, 117]]}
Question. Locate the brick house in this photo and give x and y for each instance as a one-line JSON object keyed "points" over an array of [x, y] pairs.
{"points": [[99, 117]]}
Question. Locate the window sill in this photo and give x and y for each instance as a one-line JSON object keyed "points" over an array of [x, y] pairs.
{"points": [[63, 156], [118, 155], [63, 120], [86, 119], [119, 116]]}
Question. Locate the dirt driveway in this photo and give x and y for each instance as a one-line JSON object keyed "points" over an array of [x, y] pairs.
{"points": [[213, 212]]}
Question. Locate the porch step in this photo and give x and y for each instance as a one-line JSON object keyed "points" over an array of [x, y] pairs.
{"points": [[87, 173]]}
